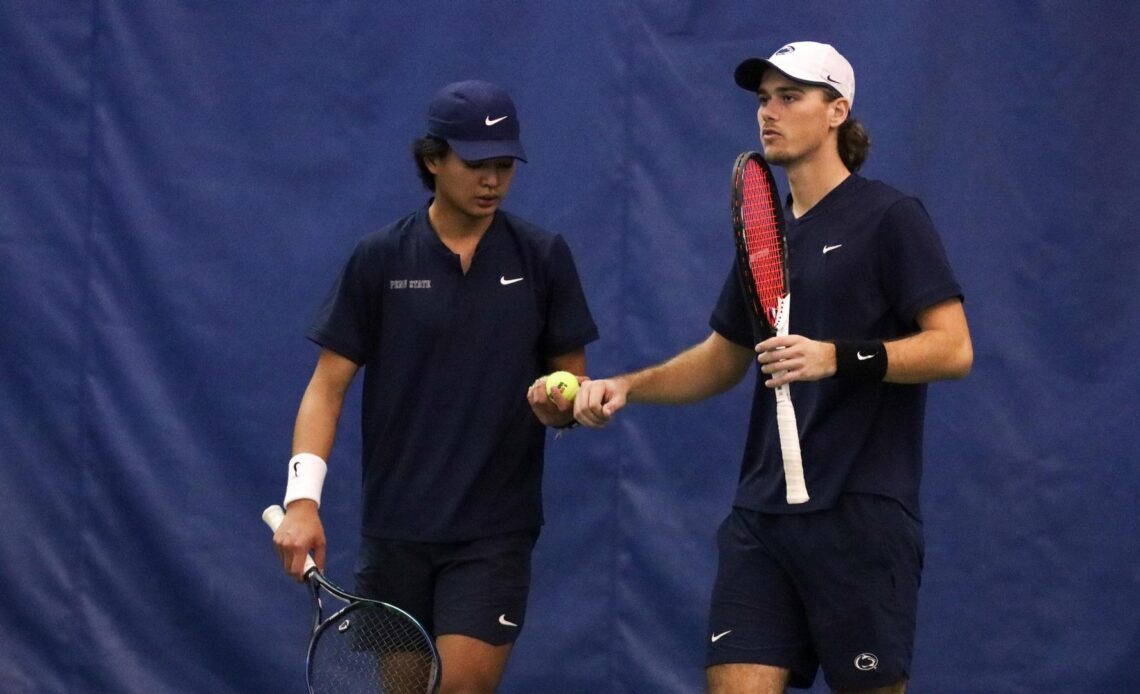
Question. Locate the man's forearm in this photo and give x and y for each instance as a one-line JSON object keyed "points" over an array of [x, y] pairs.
{"points": [[700, 372], [940, 350]]}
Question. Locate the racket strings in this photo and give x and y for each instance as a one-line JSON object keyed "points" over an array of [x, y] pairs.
{"points": [[762, 239], [371, 649]]}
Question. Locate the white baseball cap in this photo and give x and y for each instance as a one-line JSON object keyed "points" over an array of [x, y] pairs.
{"points": [[802, 61]]}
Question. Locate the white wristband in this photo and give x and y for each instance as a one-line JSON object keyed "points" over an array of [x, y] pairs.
{"points": [[306, 478]]}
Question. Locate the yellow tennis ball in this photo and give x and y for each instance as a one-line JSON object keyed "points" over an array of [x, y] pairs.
{"points": [[565, 382]]}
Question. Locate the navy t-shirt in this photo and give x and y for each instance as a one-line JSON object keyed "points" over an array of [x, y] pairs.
{"points": [[863, 263], [451, 449]]}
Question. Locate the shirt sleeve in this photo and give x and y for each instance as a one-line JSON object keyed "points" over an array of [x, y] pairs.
{"points": [[730, 317], [349, 313], [569, 324], [916, 272]]}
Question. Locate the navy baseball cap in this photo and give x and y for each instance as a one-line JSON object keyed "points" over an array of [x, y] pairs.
{"points": [[477, 119]]}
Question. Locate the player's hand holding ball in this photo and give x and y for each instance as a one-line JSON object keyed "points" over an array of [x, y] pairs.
{"points": [[564, 382], [551, 398]]}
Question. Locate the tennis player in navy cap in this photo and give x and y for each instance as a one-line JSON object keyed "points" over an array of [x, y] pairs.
{"points": [[454, 311]]}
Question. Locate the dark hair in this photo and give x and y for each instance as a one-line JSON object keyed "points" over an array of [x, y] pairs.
{"points": [[854, 141], [428, 147]]}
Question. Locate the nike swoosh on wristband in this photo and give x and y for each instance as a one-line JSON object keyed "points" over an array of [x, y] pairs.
{"points": [[504, 622], [721, 635], [504, 281], [491, 121], [863, 357]]}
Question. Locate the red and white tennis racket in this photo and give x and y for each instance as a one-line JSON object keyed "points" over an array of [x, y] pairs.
{"points": [[762, 256]]}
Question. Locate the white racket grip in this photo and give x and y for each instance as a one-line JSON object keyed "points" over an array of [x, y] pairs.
{"points": [[273, 516], [786, 420], [790, 447]]}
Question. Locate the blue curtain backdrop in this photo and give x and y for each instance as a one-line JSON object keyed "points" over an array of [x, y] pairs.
{"points": [[179, 180]]}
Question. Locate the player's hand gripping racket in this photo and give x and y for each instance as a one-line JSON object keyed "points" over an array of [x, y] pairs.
{"points": [[365, 646], [762, 256]]}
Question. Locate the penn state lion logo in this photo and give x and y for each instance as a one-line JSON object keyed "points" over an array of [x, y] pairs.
{"points": [[866, 661]]}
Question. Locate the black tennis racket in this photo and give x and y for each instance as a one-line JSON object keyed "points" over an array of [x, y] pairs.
{"points": [[762, 256], [366, 645]]}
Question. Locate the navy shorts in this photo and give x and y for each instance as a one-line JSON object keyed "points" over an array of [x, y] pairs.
{"points": [[477, 588], [836, 589]]}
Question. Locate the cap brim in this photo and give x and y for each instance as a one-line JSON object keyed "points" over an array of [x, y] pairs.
{"points": [[749, 72], [469, 150]]}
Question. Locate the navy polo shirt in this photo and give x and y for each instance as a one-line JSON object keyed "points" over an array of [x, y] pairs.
{"points": [[451, 449], [863, 263]]}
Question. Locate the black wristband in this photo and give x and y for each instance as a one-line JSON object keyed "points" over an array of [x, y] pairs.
{"points": [[860, 360]]}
